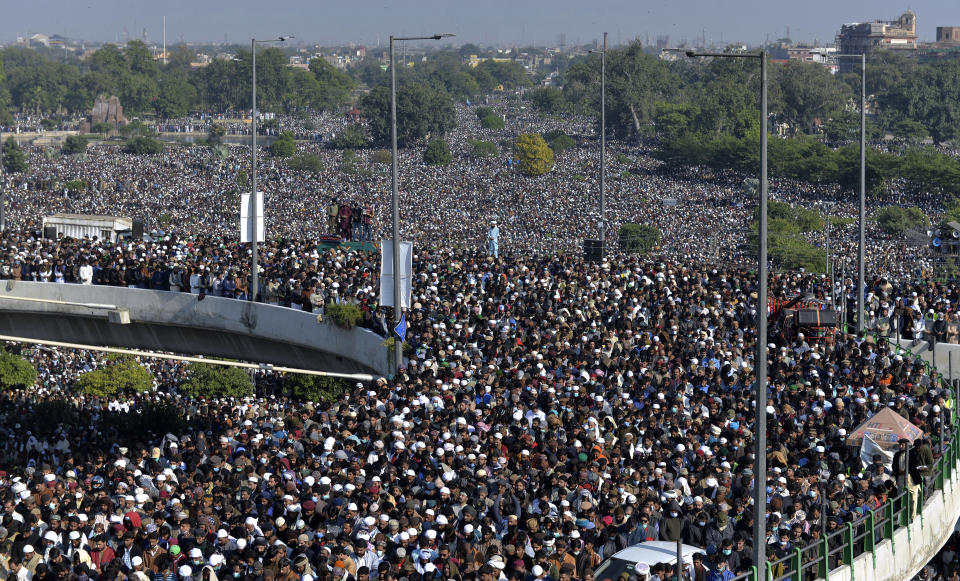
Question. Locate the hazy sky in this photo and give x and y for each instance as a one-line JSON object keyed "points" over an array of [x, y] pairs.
{"points": [[522, 22]]}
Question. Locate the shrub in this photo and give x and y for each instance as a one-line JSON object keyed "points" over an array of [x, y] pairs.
{"points": [[75, 185], [15, 371], [492, 122], [314, 387], [437, 153], [382, 156], [121, 374], [74, 144], [483, 148], [284, 146], [344, 314], [102, 127], [306, 162], [216, 133], [14, 160], [352, 137], [639, 237], [562, 143], [143, 146], [895, 220], [207, 380]]}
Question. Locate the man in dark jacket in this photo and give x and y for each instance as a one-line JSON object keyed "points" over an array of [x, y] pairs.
{"points": [[671, 527], [907, 473]]}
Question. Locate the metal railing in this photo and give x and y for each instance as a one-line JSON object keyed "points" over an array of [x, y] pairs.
{"points": [[870, 527]]}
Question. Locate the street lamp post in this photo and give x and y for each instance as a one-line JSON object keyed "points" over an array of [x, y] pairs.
{"points": [[760, 426], [397, 309], [830, 273], [254, 211], [862, 219], [3, 189], [603, 143]]}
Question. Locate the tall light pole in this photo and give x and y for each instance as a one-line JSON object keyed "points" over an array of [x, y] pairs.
{"points": [[862, 219], [833, 290], [3, 189], [254, 210], [395, 202], [603, 143], [760, 427]]}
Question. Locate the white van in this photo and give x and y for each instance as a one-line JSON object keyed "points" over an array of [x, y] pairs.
{"points": [[649, 553]]}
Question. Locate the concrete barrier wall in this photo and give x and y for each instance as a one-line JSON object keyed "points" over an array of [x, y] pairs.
{"points": [[179, 322], [912, 547]]}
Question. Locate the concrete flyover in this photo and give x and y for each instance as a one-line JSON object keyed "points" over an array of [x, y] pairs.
{"points": [[181, 323]]}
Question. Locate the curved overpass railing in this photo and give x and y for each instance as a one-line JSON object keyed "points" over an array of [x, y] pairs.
{"points": [[187, 323], [893, 542]]}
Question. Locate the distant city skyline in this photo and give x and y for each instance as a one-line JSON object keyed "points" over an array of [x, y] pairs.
{"points": [[495, 22]]}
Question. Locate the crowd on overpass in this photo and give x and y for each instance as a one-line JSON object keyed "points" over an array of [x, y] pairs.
{"points": [[552, 411]]}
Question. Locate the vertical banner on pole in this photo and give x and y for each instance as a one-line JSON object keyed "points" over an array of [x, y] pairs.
{"points": [[251, 218], [386, 273]]}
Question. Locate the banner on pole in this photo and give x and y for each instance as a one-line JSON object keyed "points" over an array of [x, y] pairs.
{"points": [[386, 273], [251, 218]]}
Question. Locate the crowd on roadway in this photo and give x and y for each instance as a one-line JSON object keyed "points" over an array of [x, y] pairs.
{"points": [[552, 411]]}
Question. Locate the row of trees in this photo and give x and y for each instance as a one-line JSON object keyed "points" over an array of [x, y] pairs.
{"points": [[123, 374], [917, 169], [446, 72], [34, 83], [650, 96]]}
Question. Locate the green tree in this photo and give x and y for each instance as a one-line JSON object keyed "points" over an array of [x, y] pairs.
{"points": [[121, 374], [215, 134], [673, 119], [636, 82], [348, 161], [5, 117], [483, 148], [314, 388], [175, 97], [74, 144], [804, 92], [15, 371], [421, 112], [382, 157], [510, 74], [284, 146], [14, 161], [560, 142], [102, 128], [639, 237], [208, 381], [143, 146], [548, 99], [482, 112], [305, 162], [437, 153], [352, 137], [335, 86], [492, 122], [895, 220], [535, 157]]}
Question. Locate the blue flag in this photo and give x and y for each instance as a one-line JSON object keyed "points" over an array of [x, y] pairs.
{"points": [[401, 328]]}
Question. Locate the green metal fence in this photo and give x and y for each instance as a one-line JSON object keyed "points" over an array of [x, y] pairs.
{"points": [[816, 560]]}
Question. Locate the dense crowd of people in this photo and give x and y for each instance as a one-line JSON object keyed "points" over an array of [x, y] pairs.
{"points": [[552, 410]]}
